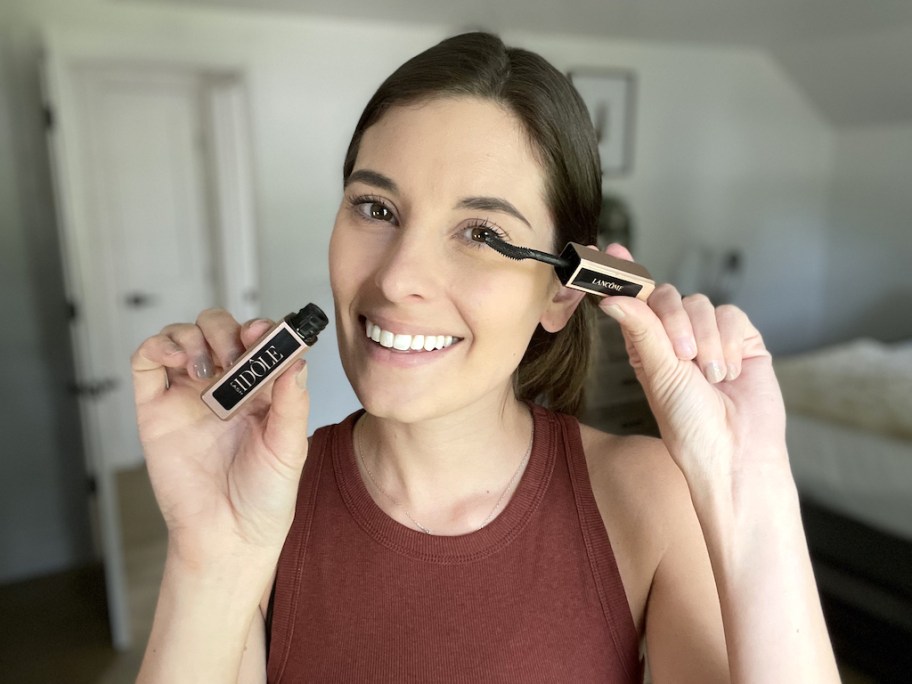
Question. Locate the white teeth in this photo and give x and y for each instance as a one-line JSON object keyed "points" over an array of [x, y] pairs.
{"points": [[403, 342]]}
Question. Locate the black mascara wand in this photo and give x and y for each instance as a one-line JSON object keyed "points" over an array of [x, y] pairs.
{"points": [[486, 235]]}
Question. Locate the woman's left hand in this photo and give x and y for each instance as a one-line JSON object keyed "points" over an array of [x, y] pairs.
{"points": [[709, 380]]}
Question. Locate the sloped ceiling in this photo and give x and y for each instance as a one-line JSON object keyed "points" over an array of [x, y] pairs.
{"points": [[852, 57], [858, 79]]}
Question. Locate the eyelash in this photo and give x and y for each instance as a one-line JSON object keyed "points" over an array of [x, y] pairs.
{"points": [[487, 225], [362, 204]]}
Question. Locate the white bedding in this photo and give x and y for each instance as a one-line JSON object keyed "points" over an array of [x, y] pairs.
{"points": [[850, 430], [861, 474], [864, 383]]}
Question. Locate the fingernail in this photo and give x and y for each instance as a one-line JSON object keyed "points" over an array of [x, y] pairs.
{"points": [[301, 375], [714, 372], [687, 348], [202, 368], [232, 358], [173, 348], [733, 373], [616, 312]]}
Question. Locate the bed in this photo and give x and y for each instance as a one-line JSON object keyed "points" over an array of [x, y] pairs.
{"points": [[849, 434]]}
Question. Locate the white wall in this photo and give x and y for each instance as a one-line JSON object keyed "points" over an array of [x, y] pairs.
{"points": [[869, 280], [728, 155], [727, 152], [857, 80]]}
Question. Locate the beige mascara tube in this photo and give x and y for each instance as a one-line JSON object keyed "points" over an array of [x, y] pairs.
{"points": [[279, 348]]}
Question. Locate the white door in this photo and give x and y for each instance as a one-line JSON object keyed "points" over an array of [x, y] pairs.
{"points": [[153, 188], [148, 191]]}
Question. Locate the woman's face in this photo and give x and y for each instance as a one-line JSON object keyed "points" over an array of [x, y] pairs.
{"points": [[429, 321]]}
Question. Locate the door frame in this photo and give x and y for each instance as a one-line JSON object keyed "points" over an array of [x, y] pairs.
{"points": [[233, 230]]}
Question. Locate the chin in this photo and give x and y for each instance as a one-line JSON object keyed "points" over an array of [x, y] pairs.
{"points": [[401, 404], [410, 405]]}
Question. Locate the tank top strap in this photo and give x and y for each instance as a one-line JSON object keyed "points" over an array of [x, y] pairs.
{"points": [[608, 582]]}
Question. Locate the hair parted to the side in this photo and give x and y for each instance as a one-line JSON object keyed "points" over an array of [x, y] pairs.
{"points": [[554, 367]]}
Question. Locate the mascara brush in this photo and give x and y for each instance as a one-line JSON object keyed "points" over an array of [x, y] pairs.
{"points": [[579, 267], [486, 235]]}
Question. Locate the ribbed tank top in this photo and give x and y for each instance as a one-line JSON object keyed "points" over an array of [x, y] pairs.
{"points": [[535, 596]]}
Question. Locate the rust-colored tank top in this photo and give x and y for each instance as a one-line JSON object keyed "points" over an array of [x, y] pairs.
{"points": [[533, 597]]}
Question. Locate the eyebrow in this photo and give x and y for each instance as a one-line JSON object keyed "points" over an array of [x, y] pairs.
{"points": [[493, 204], [378, 180], [374, 178]]}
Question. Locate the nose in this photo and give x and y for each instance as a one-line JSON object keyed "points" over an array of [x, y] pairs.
{"points": [[412, 268]]}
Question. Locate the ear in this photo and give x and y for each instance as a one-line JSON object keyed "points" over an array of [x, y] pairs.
{"points": [[560, 308]]}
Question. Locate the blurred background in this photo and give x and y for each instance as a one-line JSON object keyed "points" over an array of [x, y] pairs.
{"points": [[159, 157]]}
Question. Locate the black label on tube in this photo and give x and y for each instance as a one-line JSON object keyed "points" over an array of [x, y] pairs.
{"points": [[605, 284], [246, 377]]}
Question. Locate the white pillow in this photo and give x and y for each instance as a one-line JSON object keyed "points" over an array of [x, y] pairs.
{"points": [[864, 383]]}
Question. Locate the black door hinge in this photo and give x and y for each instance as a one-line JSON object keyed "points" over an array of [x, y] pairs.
{"points": [[94, 389]]}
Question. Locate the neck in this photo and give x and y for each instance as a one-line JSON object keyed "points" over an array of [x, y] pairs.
{"points": [[449, 474]]}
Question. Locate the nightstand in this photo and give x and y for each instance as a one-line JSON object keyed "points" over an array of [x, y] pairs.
{"points": [[615, 401]]}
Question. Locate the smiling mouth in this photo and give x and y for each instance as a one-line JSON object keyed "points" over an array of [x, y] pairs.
{"points": [[402, 342]]}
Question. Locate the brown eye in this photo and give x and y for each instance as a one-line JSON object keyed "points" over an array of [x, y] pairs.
{"points": [[480, 233], [378, 212]]}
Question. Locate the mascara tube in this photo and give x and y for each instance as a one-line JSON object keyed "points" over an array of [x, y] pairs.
{"points": [[280, 347], [602, 274]]}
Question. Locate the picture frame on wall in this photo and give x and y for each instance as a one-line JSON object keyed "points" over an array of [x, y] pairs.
{"points": [[609, 95]]}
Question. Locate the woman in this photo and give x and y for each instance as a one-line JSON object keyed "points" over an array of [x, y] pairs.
{"points": [[455, 530]]}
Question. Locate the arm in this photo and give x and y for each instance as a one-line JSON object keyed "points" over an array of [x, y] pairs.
{"points": [[705, 623], [227, 492], [771, 611], [208, 627], [723, 422]]}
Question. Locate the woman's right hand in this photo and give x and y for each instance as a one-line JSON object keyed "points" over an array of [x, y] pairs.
{"points": [[226, 489]]}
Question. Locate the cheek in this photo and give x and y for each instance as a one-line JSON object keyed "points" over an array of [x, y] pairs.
{"points": [[344, 262], [509, 308], [336, 264]]}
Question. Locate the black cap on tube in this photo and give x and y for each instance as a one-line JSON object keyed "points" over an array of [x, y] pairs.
{"points": [[308, 323]]}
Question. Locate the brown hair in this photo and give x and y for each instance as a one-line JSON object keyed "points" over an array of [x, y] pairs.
{"points": [[554, 367]]}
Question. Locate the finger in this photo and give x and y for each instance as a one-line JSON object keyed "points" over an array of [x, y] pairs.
{"points": [[253, 331], [648, 345], [618, 250], [710, 357], [734, 328], [190, 338], [222, 334], [285, 432], [666, 302], [149, 366]]}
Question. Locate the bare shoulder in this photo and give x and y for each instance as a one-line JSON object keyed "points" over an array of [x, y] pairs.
{"points": [[635, 471], [640, 493]]}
